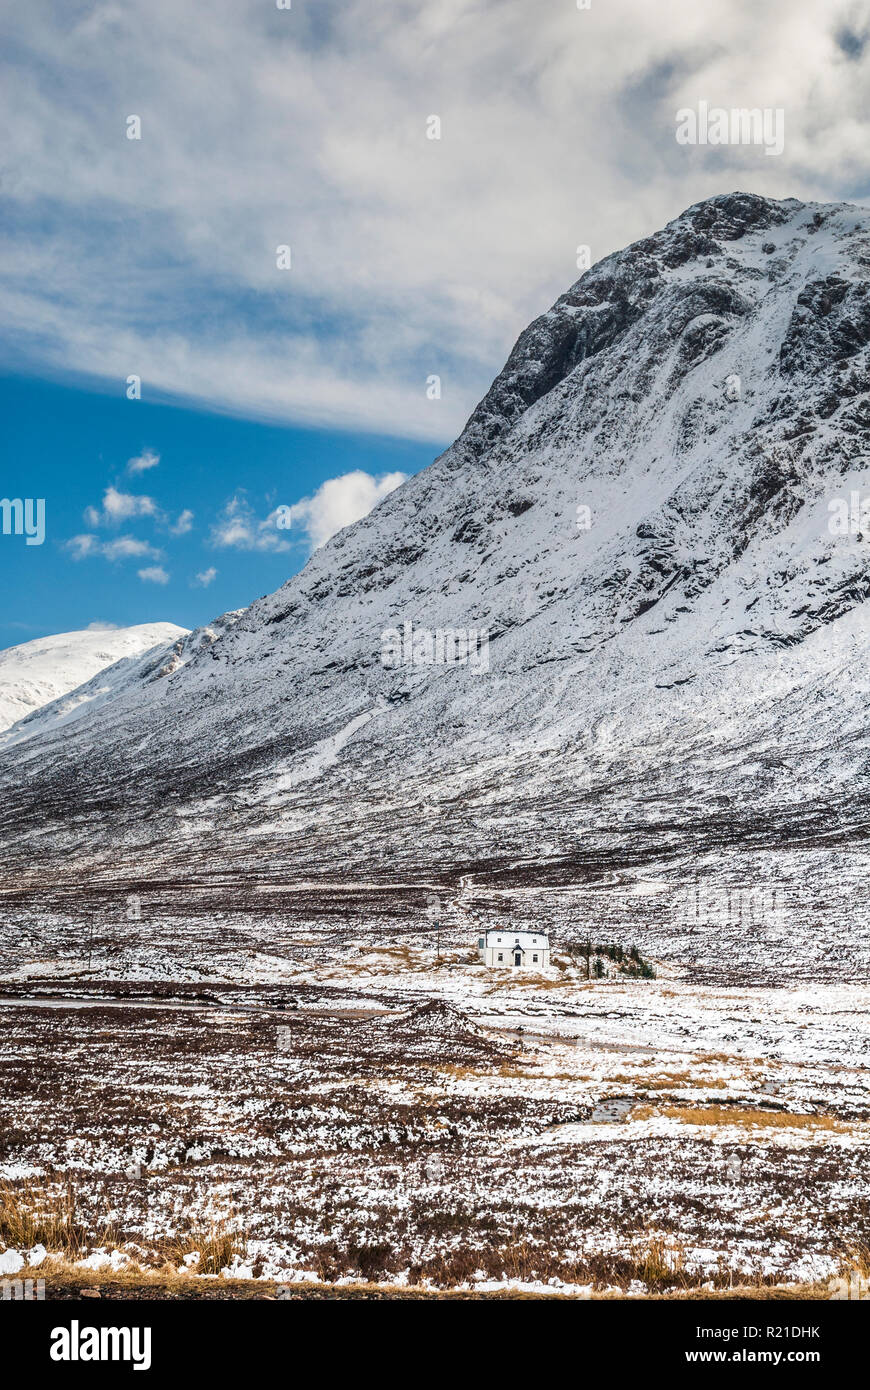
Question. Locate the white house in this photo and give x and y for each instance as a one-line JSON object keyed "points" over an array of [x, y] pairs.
{"points": [[505, 949]]}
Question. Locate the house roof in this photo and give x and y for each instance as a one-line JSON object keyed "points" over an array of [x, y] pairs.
{"points": [[541, 937]]}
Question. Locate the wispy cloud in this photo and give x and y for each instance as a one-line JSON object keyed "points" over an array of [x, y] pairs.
{"points": [[147, 459], [126, 546], [153, 574], [238, 528], [119, 507], [411, 257], [205, 577], [121, 548], [81, 546]]}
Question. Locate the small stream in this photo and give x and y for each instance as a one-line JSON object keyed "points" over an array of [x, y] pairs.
{"points": [[595, 1044]]}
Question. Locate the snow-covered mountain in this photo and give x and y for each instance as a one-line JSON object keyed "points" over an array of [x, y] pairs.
{"points": [[35, 673], [636, 523]]}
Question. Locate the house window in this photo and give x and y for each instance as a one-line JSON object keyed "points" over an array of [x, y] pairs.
{"points": [[535, 959], [501, 955], [480, 943]]}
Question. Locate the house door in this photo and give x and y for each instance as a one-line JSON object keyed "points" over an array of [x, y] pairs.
{"points": [[518, 960]]}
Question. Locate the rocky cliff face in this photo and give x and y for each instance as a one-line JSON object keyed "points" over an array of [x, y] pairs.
{"points": [[637, 521]]}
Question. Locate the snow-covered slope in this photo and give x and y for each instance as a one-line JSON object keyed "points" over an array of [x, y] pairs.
{"points": [[685, 676], [37, 672]]}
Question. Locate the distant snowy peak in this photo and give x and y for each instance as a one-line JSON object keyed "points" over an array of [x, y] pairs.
{"points": [[38, 672], [142, 671]]}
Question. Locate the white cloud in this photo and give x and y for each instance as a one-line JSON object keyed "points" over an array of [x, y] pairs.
{"points": [[126, 546], [410, 256], [121, 548], [98, 626], [337, 503], [80, 546], [154, 574], [237, 528], [205, 577], [341, 501], [120, 506], [147, 459]]}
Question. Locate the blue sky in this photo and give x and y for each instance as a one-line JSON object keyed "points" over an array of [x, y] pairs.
{"points": [[69, 445], [304, 383]]}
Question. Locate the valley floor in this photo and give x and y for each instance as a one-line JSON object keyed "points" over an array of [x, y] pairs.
{"points": [[329, 1099]]}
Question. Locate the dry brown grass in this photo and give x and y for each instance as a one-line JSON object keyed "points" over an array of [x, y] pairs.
{"points": [[567, 1076], [379, 960], [661, 1262], [45, 1214], [461, 1073], [138, 1284], [666, 1081], [215, 1244], [859, 1259], [737, 1115], [401, 953]]}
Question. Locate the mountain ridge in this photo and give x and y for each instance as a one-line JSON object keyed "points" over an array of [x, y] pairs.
{"points": [[650, 674]]}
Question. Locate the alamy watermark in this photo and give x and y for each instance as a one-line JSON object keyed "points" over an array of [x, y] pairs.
{"points": [[22, 1290], [24, 518], [77, 1343], [853, 1286], [732, 904], [443, 646], [714, 125], [850, 516]]}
